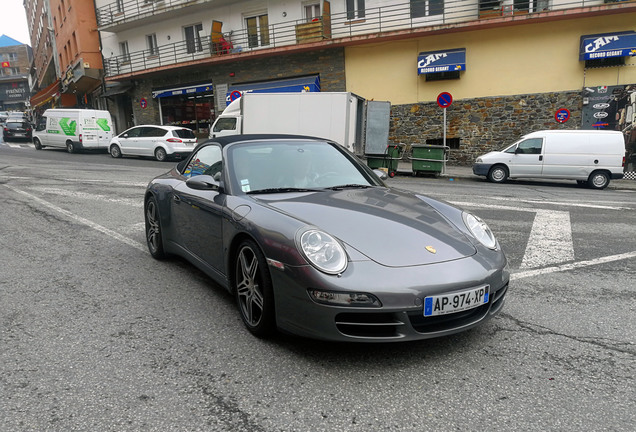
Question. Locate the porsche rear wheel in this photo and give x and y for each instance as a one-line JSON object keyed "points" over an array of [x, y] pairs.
{"points": [[153, 229], [253, 289]]}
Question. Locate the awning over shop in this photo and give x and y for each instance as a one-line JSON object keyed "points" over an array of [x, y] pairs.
{"points": [[600, 46], [185, 90], [45, 95], [289, 85], [116, 90], [441, 61]]}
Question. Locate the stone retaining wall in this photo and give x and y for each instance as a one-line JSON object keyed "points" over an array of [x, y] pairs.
{"points": [[483, 124]]}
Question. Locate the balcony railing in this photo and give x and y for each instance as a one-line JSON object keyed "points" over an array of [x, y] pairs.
{"points": [[400, 17], [127, 10]]}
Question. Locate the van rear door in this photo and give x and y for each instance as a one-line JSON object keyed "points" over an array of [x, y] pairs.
{"points": [[528, 158], [104, 129]]}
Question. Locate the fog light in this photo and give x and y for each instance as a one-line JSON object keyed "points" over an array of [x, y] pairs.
{"points": [[344, 299]]}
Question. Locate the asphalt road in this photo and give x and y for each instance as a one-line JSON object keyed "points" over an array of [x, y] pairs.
{"points": [[96, 335]]}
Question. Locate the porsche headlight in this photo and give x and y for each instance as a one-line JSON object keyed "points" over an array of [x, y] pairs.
{"points": [[480, 230], [478, 160], [323, 251]]}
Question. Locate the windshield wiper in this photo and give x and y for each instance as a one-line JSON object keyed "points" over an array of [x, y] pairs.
{"points": [[349, 186], [281, 190]]}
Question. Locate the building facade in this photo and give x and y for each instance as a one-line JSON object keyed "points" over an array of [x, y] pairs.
{"points": [[511, 66], [15, 66], [45, 71]]}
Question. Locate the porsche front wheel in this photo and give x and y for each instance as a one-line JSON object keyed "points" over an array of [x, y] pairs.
{"points": [[253, 289]]}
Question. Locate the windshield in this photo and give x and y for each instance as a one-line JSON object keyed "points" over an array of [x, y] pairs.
{"points": [[286, 166]]}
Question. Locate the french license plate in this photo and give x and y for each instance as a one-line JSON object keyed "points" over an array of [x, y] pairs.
{"points": [[19, 134], [456, 302]]}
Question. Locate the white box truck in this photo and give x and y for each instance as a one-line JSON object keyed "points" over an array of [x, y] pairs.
{"points": [[74, 129], [591, 157], [343, 117]]}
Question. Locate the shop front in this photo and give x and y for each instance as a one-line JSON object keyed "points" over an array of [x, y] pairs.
{"points": [[190, 106]]}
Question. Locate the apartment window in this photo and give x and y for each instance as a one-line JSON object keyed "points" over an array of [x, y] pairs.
{"points": [[257, 30], [123, 51], [193, 38], [151, 42], [355, 9], [7, 71], [311, 11], [74, 40], [424, 8]]}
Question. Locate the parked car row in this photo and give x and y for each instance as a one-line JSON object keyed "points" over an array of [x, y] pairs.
{"points": [[88, 129], [15, 126]]}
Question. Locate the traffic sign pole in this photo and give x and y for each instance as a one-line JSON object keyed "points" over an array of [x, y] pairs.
{"points": [[444, 100]]}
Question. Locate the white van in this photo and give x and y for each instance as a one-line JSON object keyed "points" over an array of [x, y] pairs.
{"points": [[74, 129], [591, 157]]}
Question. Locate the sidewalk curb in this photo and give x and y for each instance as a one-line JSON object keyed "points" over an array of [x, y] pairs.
{"points": [[456, 172]]}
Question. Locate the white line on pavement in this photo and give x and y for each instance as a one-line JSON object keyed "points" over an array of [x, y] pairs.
{"points": [[82, 220], [550, 240], [572, 266], [137, 202]]}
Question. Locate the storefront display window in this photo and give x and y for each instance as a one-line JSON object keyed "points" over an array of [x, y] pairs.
{"points": [[194, 112]]}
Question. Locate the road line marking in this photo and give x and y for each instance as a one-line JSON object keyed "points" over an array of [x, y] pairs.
{"points": [[550, 240], [572, 266], [83, 221], [135, 202]]}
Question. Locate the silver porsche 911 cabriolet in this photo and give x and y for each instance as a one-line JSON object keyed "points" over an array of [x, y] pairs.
{"points": [[312, 242]]}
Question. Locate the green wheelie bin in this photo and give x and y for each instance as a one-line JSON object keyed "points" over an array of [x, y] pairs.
{"points": [[428, 159], [389, 160]]}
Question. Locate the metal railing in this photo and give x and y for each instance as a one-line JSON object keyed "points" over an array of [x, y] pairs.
{"points": [[400, 17], [128, 10]]}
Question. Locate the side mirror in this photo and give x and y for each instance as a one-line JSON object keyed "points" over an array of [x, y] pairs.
{"points": [[382, 174], [203, 182]]}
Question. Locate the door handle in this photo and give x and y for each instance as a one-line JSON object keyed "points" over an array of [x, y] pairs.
{"points": [[541, 157]]}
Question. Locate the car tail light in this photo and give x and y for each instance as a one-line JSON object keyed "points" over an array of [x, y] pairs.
{"points": [[80, 138], [174, 140], [623, 161]]}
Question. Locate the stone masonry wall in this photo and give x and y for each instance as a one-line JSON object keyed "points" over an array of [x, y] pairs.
{"points": [[483, 124]]}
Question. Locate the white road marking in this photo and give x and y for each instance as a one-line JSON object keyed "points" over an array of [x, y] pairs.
{"points": [[550, 240], [72, 216], [86, 196], [513, 276], [572, 266], [72, 180]]}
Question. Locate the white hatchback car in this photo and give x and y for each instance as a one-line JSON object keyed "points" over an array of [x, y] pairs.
{"points": [[161, 142]]}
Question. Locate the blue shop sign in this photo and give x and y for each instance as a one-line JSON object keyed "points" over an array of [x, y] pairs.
{"points": [[180, 91], [441, 61], [290, 85], [607, 45]]}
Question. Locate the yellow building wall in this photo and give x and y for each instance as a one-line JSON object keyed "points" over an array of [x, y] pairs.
{"points": [[520, 59]]}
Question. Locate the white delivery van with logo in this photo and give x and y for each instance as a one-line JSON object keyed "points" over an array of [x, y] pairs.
{"points": [[74, 129], [592, 157]]}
